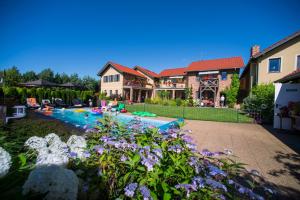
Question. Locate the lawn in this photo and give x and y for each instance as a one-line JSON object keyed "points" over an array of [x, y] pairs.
{"points": [[207, 114]]}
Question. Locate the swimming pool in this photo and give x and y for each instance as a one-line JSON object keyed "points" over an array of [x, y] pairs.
{"points": [[88, 120]]}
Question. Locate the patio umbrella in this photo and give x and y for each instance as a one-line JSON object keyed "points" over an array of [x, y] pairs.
{"points": [[39, 83]]}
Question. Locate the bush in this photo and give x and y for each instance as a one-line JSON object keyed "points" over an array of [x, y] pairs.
{"points": [[261, 100], [178, 101], [148, 100], [232, 92]]}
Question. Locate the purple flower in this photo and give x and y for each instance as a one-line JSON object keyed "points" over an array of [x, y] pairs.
{"points": [[206, 152], [175, 148], [216, 185], [99, 149], [145, 192], [123, 158], [192, 147], [198, 182], [85, 187], [73, 154], [86, 154], [187, 187], [130, 189], [213, 171], [158, 152]]}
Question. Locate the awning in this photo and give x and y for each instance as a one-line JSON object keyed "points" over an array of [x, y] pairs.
{"points": [[208, 72], [176, 76]]}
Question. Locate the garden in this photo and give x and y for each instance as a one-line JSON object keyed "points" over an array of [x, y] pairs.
{"points": [[40, 159]]}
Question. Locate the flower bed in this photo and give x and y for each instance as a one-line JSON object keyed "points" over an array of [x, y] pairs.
{"points": [[136, 161]]}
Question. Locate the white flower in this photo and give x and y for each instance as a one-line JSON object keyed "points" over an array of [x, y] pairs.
{"points": [[47, 159], [36, 143], [54, 181], [76, 141], [78, 151], [5, 162], [58, 147], [52, 138]]}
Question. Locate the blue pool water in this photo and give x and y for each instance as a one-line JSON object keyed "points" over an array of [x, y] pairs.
{"points": [[88, 120]]}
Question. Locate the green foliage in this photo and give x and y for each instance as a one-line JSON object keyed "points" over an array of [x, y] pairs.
{"points": [[10, 91], [47, 74], [231, 93], [261, 99], [163, 94], [178, 102], [29, 76], [189, 95], [12, 76]]}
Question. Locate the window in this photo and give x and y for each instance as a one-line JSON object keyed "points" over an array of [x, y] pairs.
{"points": [[116, 77], [298, 61], [111, 78], [224, 76], [274, 65], [110, 92], [105, 79], [116, 92]]}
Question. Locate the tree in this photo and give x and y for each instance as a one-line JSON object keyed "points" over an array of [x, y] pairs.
{"points": [[12, 76], [47, 74], [64, 78], [57, 78], [29, 76], [74, 78], [90, 83], [232, 92]]}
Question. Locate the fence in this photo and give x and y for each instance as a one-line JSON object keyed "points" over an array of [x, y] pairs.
{"points": [[195, 113]]}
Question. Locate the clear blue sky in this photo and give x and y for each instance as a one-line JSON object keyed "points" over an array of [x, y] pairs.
{"points": [[81, 36]]}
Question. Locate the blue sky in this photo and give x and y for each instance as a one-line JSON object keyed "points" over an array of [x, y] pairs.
{"points": [[81, 36]]}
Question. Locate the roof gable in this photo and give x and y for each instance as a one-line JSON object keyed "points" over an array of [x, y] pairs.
{"points": [[120, 69], [147, 72], [216, 64], [173, 72]]}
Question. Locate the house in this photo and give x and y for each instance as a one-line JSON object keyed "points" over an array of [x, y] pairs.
{"points": [[118, 80], [271, 64], [174, 81], [209, 78]]}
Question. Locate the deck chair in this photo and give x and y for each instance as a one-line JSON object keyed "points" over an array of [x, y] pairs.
{"points": [[77, 103], [121, 106], [60, 103], [103, 105], [31, 103]]}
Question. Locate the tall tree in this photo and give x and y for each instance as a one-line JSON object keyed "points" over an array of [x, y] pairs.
{"points": [[47, 74], [57, 78], [90, 83], [29, 76], [12, 76], [74, 78], [64, 78]]}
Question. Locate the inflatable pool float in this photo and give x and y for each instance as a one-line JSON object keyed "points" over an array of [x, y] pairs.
{"points": [[96, 111], [144, 114], [123, 111], [79, 110]]}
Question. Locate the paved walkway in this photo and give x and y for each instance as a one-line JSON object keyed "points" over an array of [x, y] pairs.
{"points": [[261, 149]]}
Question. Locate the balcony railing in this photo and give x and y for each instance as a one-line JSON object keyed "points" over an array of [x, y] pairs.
{"points": [[213, 82], [134, 83], [172, 85]]}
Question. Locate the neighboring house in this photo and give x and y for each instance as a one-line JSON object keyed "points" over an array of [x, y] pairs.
{"points": [[209, 78], [174, 81], [118, 80], [272, 63]]}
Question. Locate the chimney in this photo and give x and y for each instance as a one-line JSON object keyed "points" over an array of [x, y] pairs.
{"points": [[254, 50]]}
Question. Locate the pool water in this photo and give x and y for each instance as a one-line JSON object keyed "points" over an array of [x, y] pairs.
{"points": [[88, 120]]}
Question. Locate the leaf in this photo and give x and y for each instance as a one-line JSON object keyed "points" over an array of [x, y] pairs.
{"points": [[167, 196], [23, 159], [153, 195], [164, 186], [136, 158]]}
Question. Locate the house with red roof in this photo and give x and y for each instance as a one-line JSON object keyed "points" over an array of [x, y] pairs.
{"points": [[174, 81], [209, 78]]}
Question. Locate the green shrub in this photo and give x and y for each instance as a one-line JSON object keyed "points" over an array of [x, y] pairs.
{"points": [[231, 93], [10, 91], [148, 100], [261, 100], [178, 101]]}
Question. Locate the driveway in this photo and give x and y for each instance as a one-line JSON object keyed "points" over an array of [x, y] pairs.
{"points": [[273, 154]]}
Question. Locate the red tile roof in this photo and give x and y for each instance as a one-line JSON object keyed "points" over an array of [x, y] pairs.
{"points": [[290, 77], [147, 72], [122, 69], [216, 64], [173, 72]]}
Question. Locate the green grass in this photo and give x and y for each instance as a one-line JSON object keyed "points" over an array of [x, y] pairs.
{"points": [[207, 114]]}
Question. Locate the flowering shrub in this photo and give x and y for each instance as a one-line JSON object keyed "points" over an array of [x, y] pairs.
{"points": [[150, 164], [54, 182], [5, 162]]}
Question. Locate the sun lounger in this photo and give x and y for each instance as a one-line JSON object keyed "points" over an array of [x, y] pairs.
{"points": [[60, 103], [77, 103], [47, 102], [31, 103]]}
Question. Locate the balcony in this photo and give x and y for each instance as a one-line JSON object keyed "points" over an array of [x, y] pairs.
{"points": [[170, 85], [137, 84], [209, 82]]}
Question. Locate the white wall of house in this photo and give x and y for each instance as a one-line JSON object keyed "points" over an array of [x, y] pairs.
{"points": [[113, 86]]}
